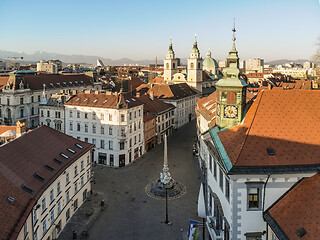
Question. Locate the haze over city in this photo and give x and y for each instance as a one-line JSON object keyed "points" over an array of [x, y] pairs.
{"points": [[139, 30]]}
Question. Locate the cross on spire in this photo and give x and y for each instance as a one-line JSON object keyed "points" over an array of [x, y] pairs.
{"points": [[234, 29]]}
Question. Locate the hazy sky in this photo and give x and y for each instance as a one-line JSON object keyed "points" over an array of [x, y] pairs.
{"points": [[136, 29]]}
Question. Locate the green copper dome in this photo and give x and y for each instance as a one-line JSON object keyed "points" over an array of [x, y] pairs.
{"points": [[209, 62]]}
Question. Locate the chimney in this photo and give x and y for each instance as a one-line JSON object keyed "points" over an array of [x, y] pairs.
{"points": [[151, 95], [137, 94], [21, 129]]}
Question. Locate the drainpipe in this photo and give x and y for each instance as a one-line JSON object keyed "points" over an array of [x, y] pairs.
{"points": [[264, 193]]}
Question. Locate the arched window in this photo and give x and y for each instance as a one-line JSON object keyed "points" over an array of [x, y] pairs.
{"points": [[231, 97], [9, 113], [167, 65], [191, 65], [110, 130], [78, 127], [86, 127]]}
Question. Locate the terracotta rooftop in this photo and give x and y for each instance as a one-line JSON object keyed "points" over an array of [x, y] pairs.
{"points": [[206, 106], [36, 150], [296, 209], [157, 80], [285, 121], [154, 106], [166, 91], [102, 100]]}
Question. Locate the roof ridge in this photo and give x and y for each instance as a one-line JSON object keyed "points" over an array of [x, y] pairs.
{"points": [[247, 133]]}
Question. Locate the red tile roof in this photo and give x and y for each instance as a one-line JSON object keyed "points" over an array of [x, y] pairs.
{"points": [[206, 106], [17, 167], [102, 100], [3, 81], [283, 120], [157, 80], [154, 106], [299, 208], [166, 91]]}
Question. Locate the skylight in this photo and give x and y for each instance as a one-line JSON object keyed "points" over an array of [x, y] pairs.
{"points": [[28, 190], [37, 176], [85, 100], [271, 151], [70, 150], [105, 101], [127, 101], [58, 161], [49, 167], [64, 155], [95, 100], [133, 99], [77, 99], [79, 146]]}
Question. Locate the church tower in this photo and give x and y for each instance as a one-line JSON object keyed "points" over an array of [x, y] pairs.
{"points": [[195, 67], [170, 64], [231, 92]]}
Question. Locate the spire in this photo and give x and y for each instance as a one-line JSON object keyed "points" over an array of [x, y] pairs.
{"points": [[195, 47], [195, 44], [234, 35], [170, 50]]}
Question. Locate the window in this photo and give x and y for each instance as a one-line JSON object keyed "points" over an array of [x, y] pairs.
{"points": [[254, 191], [67, 196], [94, 128], [139, 113], [88, 172], [102, 144], [102, 116], [44, 226], [48, 113], [221, 179], [51, 195], [67, 214], [226, 230], [135, 139], [86, 127], [86, 140], [32, 99], [253, 236], [71, 126], [122, 117], [58, 188], [88, 160], [130, 128], [78, 127], [75, 205], [227, 189], [130, 116], [110, 130], [35, 235], [82, 165], [75, 170], [43, 204], [121, 145], [231, 98], [8, 101], [21, 112], [85, 115], [25, 230], [75, 187], [111, 145], [78, 114], [67, 178], [210, 163], [215, 170], [52, 216], [21, 100], [94, 116], [130, 142], [139, 137], [32, 110], [135, 114], [110, 117], [70, 113], [82, 180], [59, 207], [102, 130], [35, 217]]}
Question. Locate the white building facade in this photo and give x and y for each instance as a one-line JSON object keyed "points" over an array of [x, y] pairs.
{"points": [[113, 122]]}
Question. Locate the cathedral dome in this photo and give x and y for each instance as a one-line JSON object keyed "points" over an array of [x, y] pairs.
{"points": [[209, 62]]}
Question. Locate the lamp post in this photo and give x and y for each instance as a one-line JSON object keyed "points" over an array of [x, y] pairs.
{"points": [[167, 221]]}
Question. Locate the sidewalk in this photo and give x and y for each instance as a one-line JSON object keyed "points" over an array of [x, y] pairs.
{"points": [[80, 221]]}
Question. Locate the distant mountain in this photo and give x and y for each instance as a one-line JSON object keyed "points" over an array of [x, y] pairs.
{"points": [[41, 55], [283, 61]]}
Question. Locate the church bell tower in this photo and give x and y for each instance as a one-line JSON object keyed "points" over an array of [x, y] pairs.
{"points": [[195, 67], [170, 64]]}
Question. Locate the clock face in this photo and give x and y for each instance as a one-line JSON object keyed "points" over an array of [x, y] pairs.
{"points": [[218, 109], [231, 111]]}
